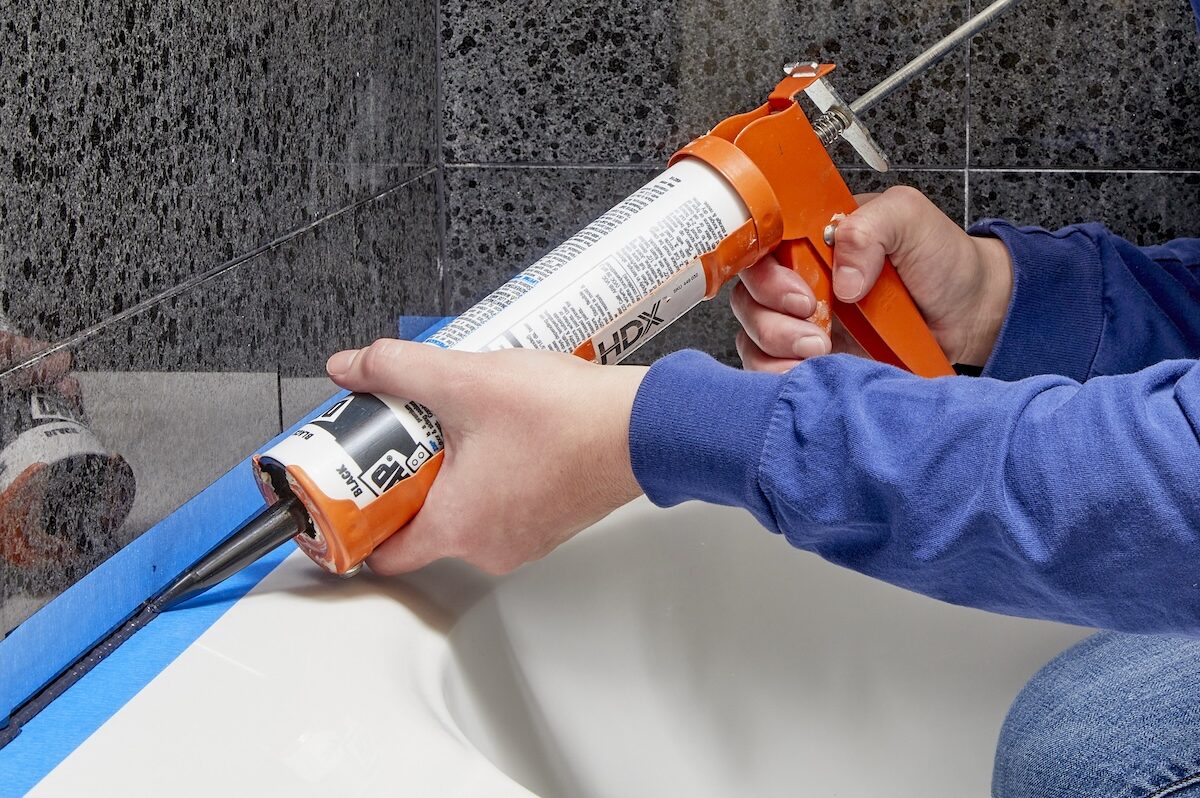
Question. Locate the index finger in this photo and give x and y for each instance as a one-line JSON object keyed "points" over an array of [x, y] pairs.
{"points": [[775, 286]]}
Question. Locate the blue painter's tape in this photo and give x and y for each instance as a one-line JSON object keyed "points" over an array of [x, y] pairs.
{"points": [[89, 610], [62, 726], [418, 328]]}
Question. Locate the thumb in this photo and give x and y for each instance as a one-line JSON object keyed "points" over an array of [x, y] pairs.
{"points": [[864, 238], [402, 369]]}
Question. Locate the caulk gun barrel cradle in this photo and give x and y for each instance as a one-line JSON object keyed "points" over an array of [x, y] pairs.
{"points": [[758, 183]]}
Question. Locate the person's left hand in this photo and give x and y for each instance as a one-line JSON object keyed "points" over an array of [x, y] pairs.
{"points": [[537, 448]]}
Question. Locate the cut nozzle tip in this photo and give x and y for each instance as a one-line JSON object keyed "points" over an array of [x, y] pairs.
{"points": [[179, 589]]}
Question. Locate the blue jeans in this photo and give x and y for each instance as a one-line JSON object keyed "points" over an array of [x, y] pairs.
{"points": [[1116, 716]]}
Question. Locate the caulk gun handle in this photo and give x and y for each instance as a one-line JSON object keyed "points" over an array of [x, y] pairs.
{"points": [[886, 322]]}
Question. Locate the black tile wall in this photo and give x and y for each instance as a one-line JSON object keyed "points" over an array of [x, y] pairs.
{"points": [[631, 81], [146, 143], [148, 152], [347, 287], [1111, 85], [1147, 208]]}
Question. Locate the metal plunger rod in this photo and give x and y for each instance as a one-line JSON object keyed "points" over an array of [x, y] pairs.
{"points": [[931, 56]]}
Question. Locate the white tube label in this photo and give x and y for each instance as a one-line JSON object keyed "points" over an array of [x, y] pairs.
{"points": [[599, 274], [651, 316]]}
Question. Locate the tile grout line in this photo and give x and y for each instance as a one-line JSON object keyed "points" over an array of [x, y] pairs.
{"points": [[206, 276], [967, 127], [439, 123], [279, 395], [576, 166], [656, 165], [1039, 170]]}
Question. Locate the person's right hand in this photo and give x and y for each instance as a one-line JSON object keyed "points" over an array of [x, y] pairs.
{"points": [[961, 283]]}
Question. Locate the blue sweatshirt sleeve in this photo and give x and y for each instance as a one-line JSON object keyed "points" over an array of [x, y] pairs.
{"points": [[1069, 490], [1086, 302]]}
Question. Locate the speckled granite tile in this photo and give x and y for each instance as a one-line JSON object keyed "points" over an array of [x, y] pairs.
{"points": [[348, 285], [354, 79], [632, 81], [1144, 207], [142, 147], [1081, 84], [946, 189], [342, 283]]}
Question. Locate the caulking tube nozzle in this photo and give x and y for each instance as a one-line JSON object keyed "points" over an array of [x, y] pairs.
{"points": [[265, 532]]}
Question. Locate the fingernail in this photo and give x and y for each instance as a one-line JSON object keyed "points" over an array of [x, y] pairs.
{"points": [[810, 346], [341, 362], [848, 282], [799, 305]]}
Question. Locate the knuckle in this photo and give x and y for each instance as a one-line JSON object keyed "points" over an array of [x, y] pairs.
{"points": [[906, 196], [374, 359], [751, 356], [854, 232], [777, 340]]}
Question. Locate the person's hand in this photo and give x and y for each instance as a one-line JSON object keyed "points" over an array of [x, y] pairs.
{"points": [[537, 448], [961, 283]]}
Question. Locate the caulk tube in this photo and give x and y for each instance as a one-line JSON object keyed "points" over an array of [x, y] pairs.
{"points": [[363, 468]]}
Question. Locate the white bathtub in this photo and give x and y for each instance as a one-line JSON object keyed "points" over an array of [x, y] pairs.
{"points": [[661, 653]]}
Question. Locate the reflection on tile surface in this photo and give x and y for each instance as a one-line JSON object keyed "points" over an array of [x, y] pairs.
{"points": [[144, 145], [179, 407], [1077, 84], [1145, 208], [632, 81], [177, 433], [298, 395]]}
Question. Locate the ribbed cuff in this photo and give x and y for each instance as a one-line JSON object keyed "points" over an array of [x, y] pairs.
{"points": [[697, 431], [1056, 315]]}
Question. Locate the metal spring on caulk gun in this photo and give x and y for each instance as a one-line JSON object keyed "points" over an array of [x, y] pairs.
{"points": [[828, 126]]}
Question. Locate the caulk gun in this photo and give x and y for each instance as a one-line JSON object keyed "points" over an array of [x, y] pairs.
{"points": [[759, 182]]}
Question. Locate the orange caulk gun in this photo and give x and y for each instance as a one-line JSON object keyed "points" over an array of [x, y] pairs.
{"points": [[757, 183]]}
